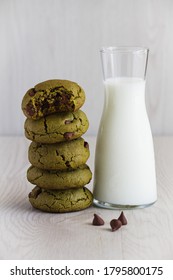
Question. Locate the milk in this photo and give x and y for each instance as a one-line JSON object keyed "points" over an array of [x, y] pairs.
{"points": [[124, 160]]}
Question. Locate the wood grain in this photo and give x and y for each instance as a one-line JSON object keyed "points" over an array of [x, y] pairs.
{"points": [[26, 233]]}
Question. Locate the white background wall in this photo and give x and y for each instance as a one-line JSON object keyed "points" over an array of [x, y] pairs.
{"points": [[44, 39]]}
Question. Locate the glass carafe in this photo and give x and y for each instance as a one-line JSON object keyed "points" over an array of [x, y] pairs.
{"points": [[124, 160]]}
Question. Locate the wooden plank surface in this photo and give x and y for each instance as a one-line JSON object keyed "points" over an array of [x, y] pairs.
{"points": [[26, 233]]}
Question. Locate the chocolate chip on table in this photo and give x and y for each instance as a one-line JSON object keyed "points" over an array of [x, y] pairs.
{"points": [[68, 135], [97, 221], [123, 219], [115, 224]]}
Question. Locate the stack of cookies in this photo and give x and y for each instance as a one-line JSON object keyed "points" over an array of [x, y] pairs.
{"points": [[57, 153]]}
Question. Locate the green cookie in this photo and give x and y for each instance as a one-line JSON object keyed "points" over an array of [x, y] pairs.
{"points": [[59, 156], [54, 179], [57, 127], [52, 96], [61, 201]]}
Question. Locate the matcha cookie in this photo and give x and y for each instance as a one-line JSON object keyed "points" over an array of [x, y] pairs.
{"points": [[59, 156], [60, 201], [52, 96], [54, 179], [57, 127]]}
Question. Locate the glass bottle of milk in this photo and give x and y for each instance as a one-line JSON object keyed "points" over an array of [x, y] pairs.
{"points": [[124, 174]]}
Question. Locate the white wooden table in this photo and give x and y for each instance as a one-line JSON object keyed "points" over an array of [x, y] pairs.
{"points": [[26, 233]]}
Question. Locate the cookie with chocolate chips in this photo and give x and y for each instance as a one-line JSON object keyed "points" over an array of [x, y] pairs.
{"points": [[57, 179], [52, 96], [60, 201], [57, 127], [59, 156]]}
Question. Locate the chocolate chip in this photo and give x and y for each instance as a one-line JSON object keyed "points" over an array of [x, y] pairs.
{"points": [[65, 97], [86, 145], [123, 219], [97, 221], [56, 103], [68, 135], [115, 224], [30, 109], [31, 92], [45, 105]]}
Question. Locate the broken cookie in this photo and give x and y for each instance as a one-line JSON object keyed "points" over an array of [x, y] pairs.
{"points": [[52, 96]]}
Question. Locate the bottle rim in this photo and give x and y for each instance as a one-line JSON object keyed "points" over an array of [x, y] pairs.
{"points": [[124, 49]]}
